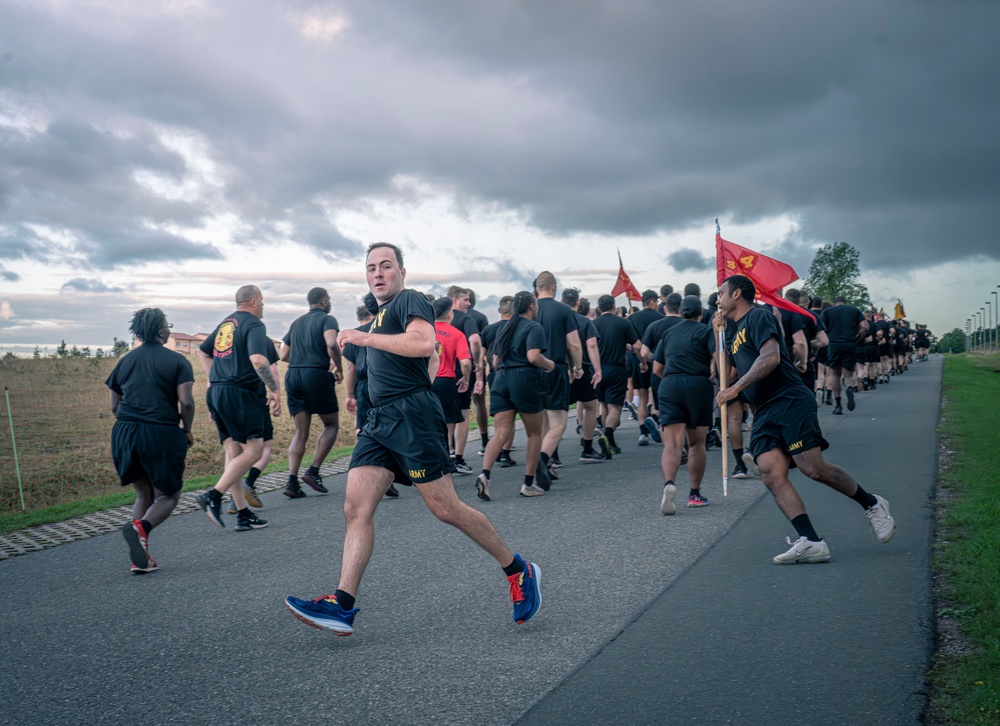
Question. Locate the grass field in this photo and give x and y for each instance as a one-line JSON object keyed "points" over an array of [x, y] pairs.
{"points": [[62, 427], [966, 681]]}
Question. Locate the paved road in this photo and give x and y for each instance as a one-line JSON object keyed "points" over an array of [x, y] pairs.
{"points": [[646, 619]]}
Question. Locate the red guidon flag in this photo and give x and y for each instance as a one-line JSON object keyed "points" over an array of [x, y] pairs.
{"points": [[767, 274], [624, 284]]}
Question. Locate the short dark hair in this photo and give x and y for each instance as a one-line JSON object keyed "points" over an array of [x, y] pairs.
{"points": [[691, 307], [316, 296], [456, 290], [394, 248], [666, 290], [839, 298], [742, 283], [713, 300], [584, 306], [472, 297], [506, 305], [692, 288], [649, 295], [605, 303], [441, 307], [545, 281], [793, 295], [363, 313], [674, 300], [571, 296]]}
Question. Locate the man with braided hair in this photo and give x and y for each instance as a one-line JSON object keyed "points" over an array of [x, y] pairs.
{"points": [[150, 439]]}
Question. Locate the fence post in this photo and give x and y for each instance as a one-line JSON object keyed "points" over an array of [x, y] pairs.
{"points": [[13, 442]]}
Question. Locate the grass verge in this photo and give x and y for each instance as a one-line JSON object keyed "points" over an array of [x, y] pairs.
{"points": [[966, 685], [62, 512]]}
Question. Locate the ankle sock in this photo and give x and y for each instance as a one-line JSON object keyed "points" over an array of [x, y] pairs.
{"points": [[513, 568], [345, 600], [313, 471], [529, 479], [147, 526], [588, 446]]}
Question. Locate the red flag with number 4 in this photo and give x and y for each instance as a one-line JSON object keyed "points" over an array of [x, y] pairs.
{"points": [[767, 274]]}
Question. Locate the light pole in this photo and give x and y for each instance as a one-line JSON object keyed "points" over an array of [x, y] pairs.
{"points": [[968, 333], [989, 322], [996, 335]]}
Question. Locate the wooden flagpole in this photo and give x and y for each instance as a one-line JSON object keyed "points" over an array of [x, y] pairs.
{"points": [[723, 412]]}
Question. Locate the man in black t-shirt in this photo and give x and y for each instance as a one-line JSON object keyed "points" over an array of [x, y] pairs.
{"points": [[641, 375], [488, 337], [786, 430], [234, 357], [566, 351], [150, 438], [583, 390], [614, 335], [469, 326], [405, 436], [482, 407], [314, 369], [845, 325]]}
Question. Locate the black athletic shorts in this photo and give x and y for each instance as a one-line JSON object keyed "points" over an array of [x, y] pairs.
{"points": [[520, 389], [871, 353], [788, 422], [582, 389], [268, 424], [883, 351], [809, 377], [686, 400], [821, 355], [408, 436], [841, 355], [237, 412], [639, 379], [557, 388], [313, 390], [154, 452], [364, 402], [613, 385], [654, 389], [446, 389]]}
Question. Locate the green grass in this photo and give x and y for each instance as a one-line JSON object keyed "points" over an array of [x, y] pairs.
{"points": [[967, 689], [62, 512]]}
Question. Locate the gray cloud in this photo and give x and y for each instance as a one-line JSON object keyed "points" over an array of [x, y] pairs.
{"points": [[80, 284], [687, 259]]}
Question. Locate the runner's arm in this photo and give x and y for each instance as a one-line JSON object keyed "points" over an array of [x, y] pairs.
{"points": [[800, 348], [206, 362], [186, 400], [575, 350], [285, 353], [417, 341], [536, 358], [463, 382], [594, 354], [333, 350], [350, 380], [766, 362]]}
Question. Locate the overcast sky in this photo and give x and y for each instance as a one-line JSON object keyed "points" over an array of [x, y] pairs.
{"points": [[164, 152]]}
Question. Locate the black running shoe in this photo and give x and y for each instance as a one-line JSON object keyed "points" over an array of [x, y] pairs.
{"points": [[392, 492], [850, 398], [602, 442], [506, 462], [740, 472], [211, 504], [315, 481], [251, 521], [293, 491], [591, 457], [542, 476], [838, 410]]}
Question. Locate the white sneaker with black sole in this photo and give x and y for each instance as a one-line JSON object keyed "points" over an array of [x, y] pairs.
{"points": [[462, 468]]}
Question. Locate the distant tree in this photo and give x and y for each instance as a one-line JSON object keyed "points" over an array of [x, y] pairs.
{"points": [[955, 340], [37, 354], [99, 353], [10, 355], [835, 271], [74, 352], [119, 348], [85, 351], [61, 351]]}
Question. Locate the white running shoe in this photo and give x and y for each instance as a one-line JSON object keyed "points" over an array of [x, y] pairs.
{"points": [[881, 521], [533, 491], [750, 464], [667, 505], [803, 550], [643, 440]]}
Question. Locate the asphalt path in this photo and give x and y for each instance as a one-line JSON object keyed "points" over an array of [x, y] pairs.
{"points": [[646, 618]]}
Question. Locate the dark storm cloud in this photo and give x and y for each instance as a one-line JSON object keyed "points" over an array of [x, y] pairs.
{"points": [[686, 259], [866, 122]]}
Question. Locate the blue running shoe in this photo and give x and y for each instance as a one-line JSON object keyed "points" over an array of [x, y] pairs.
{"points": [[324, 613], [525, 591], [654, 429]]}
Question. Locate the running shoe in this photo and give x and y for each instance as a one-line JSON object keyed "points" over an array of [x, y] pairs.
{"points": [[667, 505], [483, 488], [211, 504], [654, 429], [616, 449], [253, 499], [850, 398], [697, 500], [643, 440], [838, 410], [150, 567], [462, 468], [531, 491], [135, 536], [555, 463], [542, 479], [506, 462], [881, 521], [323, 613], [602, 443], [740, 472], [802, 551], [750, 464], [684, 457], [315, 481], [744, 427], [525, 592], [293, 491], [392, 492], [591, 457], [251, 521], [633, 414], [553, 475], [819, 397]]}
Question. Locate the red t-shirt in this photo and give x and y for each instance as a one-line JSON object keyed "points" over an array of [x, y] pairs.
{"points": [[452, 346]]}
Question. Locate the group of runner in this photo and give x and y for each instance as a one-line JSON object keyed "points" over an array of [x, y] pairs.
{"points": [[415, 364]]}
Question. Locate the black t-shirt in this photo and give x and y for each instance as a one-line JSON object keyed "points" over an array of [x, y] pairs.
{"points": [[882, 326], [231, 344], [706, 317], [147, 380], [305, 338], [655, 332], [842, 323], [792, 323], [358, 356], [469, 325], [481, 320], [686, 349], [744, 342], [559, 320], [489, 335], [643, 319], [613, 334], [585, 327], [527, 335], [390, 374]]}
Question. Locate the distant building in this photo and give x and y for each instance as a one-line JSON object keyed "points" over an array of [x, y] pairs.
{"points": [[181, 342]]}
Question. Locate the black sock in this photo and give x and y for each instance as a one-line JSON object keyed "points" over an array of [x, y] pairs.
{"points": [[485, 438], [529, 479], [313, 471], [545, 459], [245, 512], [459, 459], [588, 445], [149, 527], [600, 422], [804, 527], [252, 476], [668, 482], [695, 492], [344, 599], [863, 498], [643, 429], [610, 434], [739, 456], [745, 412], [717, 424], [505, 453], [555, 454], [293, 480], [837, 399], [513, 568]]}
